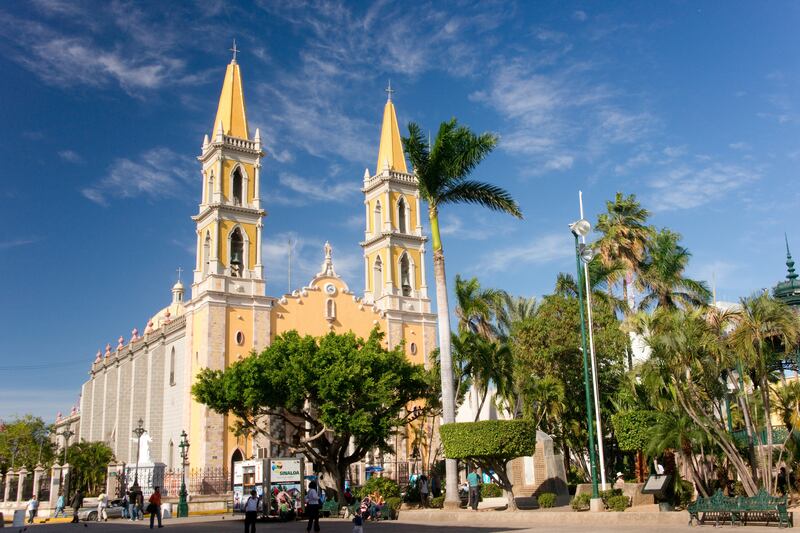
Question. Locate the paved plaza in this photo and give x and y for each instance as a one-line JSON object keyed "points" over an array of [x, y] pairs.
{"points": [[228, 525]]}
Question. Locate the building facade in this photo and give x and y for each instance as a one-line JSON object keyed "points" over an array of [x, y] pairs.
{"points": [[227, 314]]}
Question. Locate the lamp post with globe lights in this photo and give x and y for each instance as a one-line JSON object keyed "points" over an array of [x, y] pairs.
{"points": [[183, 505], [580, 229], [138, 431]]}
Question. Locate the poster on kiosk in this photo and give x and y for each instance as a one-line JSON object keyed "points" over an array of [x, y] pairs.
{"points": [[285, 486], [247, 475]]}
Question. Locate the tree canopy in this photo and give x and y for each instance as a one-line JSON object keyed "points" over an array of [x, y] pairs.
{"points": [[25, 441], [329, 389]]}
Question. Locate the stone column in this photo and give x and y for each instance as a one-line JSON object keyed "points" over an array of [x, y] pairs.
{"points": [[22, 475], [55, 484], [7, 490], [112, 480], [65, 484], [37, 477]]}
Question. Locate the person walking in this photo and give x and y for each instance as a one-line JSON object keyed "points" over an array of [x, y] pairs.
{"points": [[312, 506], [60, 505], [32, 507], [474, 481], [139, 504], [423, 489], [154, 507], [76, 504], [251, 512], [124, 504], [102, 504]]}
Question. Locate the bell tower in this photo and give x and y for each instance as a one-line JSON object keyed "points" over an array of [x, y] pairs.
{"points": [[229, 221], [394, 246]]}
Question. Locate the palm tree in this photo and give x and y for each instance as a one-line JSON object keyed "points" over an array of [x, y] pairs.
{"points": [[513, 310], [625, 233], [476, 307], [441, 171], [662, 274], [599, 274], [767, 329], [485, 361]]}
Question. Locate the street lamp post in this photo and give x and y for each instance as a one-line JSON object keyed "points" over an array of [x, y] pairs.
{"points": [[581, 228], [138, 431], [183, 505], [67, 434]]}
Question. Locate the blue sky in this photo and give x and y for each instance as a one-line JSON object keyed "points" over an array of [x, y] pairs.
{"points": [[691, 106]]}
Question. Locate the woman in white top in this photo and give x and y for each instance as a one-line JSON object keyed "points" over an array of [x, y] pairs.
{"points": [[102, 503], [312, 506]]}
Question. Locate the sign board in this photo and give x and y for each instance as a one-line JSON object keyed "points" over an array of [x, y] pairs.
{"points": [[285, 487], [285, 471], [656, 484], [247, 475]]}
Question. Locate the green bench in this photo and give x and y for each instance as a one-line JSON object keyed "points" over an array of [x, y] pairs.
{"points": [[761, 508]]}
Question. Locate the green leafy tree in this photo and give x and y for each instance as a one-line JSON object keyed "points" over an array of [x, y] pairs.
{"points": [[331, 390], [442, 172], [491, 444], [661, 274], [89, 466], [633, 430], [25, 442], [546, 349]]}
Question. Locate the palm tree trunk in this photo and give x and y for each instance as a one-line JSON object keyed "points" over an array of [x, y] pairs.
{"points": [[768, 425], [446, 357]]}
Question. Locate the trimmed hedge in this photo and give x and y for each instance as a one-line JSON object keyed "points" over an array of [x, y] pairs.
{"points": [[490, 490], [438, 502], [394, 504], [382, 485], [617, 503], [581, 502], [546, 499], [633, 429], [488, 439]]}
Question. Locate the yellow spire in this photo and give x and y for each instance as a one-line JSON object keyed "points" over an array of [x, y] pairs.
{"points": [[390, 153], [231, 110]]}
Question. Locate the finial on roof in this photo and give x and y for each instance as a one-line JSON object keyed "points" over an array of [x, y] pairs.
{"points": [[389, 91], [792, 275], [327, 265], [179, 270], [235, 51]]}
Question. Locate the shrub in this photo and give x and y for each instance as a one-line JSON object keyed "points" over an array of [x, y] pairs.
{"points": [[633, 429], [581, 502], [411, 495], [438, 502], [617, 503], [738, 489], [546, 499], [394, 504], [490, 490], [610, 493], [382, 485]]}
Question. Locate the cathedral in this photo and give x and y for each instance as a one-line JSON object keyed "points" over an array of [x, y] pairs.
{"points": [[228, 314]]}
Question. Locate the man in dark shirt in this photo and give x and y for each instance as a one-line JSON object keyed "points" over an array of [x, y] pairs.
{"points": [[76, 504]]}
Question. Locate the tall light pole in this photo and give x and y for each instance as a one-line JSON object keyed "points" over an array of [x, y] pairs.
{"points": [[183, 505], [586, 256], [138, 431], [579, 229], [67, 434]]}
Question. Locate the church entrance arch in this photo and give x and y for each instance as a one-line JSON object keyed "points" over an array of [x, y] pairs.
{"points": [[236, 457]]}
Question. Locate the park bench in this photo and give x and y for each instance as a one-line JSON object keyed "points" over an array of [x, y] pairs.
{"points": [[740, 509]]}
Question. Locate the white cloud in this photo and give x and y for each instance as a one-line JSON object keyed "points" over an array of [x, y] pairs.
{"points": [[740, 145], [478, 228], [685, 186], [157, 173], [579, 15], [5, 245], [318, 190], [544, 249], [70, 156]]}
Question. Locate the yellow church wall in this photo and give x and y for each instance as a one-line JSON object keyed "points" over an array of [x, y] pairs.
{"points": [[412, 333], [370, 268], [225, 227], [196, 414], [411, 202], [306, 314], [239, 319], [228, 165]]}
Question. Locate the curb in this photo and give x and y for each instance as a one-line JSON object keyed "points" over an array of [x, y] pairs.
{"points": [[528, 518]]}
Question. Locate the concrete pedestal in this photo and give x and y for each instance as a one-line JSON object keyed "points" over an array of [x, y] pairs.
{"points": [[596, 505]]}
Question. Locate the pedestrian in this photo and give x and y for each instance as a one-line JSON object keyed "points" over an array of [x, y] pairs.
{"points": [[358, 523], [312, 506], [782, 481], [60, 505], [474, 482], [139, 504], [33, 505], [102, 504], [76, 504], [251, 512], [154, 507], [423, 489], [436, 486], [124, 504]]}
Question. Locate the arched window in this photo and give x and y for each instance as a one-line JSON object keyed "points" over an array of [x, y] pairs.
{"points": [[210, 189], [206, 252], [377, 278], [237, 187], [401, 216], [172, 367], [377, 222], [405, 275], [237, 253], [330, 309]]}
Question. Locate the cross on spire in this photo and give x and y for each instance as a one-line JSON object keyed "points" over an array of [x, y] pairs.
{"points": [[235, 51], [179, 270], [389, 91]]}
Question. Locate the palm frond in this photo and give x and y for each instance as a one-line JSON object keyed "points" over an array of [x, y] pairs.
{"points": [[480, 193]]}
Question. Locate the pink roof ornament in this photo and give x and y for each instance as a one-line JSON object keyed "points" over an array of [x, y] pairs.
{"points": [[135, 335], [149, 328], [121, 342], [58, 416], [108, 349], [99, 357]]}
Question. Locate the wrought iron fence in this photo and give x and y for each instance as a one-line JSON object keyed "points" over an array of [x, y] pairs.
{"points": [[207, 481], [43, 490], [27, 488]]}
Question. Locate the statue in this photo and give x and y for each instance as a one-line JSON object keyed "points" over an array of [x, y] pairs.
{"points": [[144, 449]]}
